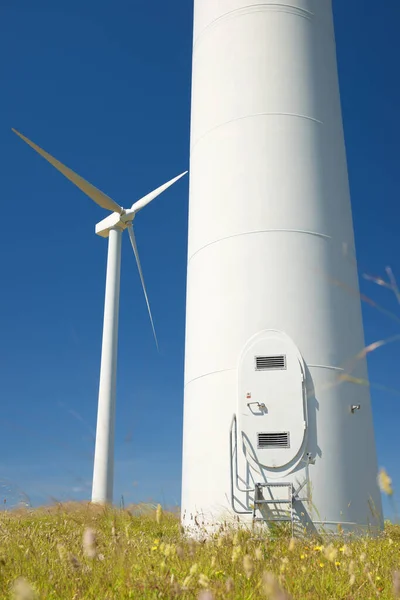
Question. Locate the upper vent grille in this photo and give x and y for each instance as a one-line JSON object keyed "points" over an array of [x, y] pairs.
{"points": [[274, 440], [269, 363]]}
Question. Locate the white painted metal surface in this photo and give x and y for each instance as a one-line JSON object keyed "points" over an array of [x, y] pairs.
{"points": [[269, 212], [103, 471]]}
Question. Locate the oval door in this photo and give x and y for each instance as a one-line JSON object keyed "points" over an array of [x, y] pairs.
{"points": [[272, 413]]}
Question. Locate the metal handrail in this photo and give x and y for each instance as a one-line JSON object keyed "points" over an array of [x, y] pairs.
{"points": [[239, 512]]}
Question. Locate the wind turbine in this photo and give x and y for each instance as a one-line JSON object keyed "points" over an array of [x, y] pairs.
{"points": [[112, 227]]}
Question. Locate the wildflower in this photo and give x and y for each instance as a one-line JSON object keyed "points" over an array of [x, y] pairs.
{"points": [[345, 550], [321, 565], [337, 563], [235, 553], [62, 552], [22, 590], [248, 566], [318, 548], [396, 584], [283, 565], [159, 514], [203, 580], [89, 543], [205, 595], [330, 552], [272, 589], [302, 556], [385, 482], [229, 585]]}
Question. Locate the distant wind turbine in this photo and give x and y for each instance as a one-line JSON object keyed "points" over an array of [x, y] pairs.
{"points": [[111, 227]]}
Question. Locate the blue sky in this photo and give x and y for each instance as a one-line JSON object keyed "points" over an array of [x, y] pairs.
{"points": [[107, 91]]}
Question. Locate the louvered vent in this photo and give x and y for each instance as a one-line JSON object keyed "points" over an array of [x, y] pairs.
{"points": [[270, 363], [274, 440]]}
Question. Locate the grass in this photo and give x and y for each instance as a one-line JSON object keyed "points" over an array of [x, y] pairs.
{"points": [[78, 551]]}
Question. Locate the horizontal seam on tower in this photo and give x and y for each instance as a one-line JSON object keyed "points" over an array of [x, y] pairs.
{"points": [[278, 7], [330, 367], [206, 375], [228, 237], [263, 114]]}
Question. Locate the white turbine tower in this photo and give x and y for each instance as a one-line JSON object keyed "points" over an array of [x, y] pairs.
{"points": [[111, 227]]}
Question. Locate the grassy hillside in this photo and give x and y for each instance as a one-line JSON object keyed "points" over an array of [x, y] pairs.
{"points": [[80, 551]]}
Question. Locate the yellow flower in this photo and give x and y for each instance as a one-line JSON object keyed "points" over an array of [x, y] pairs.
{"points": [[321, 565], [302, 556], [385, 482], [337, 563], [318, 548]]}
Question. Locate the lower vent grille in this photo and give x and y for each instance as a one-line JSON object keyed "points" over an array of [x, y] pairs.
{"points": [[270, 363], [274, 440]]}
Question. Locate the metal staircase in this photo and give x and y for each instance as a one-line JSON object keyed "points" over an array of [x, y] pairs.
{"points": [[273, 503]]}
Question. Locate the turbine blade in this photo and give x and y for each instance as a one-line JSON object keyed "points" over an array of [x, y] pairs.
{"points": [[136, 253], [136, 206], [87, 188]]}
